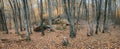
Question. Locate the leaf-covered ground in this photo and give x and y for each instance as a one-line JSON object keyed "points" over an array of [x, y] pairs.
{"points": [[53, 40]]}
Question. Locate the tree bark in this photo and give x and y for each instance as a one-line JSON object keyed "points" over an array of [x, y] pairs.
{"points": [[98, 14], [26, 20], [41, 17], [2, 17], [71, 20], [50, 15]]}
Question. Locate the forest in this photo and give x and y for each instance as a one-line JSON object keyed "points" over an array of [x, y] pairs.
{"points": [[59, 24]]}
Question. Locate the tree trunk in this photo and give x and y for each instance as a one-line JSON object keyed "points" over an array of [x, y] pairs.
{"points": [[3, 18], [26, 20], [92, 19], [19, 16], [71, 20], [41, 17], [1, 15], [50, 15], [107, 16], [98, 14]]}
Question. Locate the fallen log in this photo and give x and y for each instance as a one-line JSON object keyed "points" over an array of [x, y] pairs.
{"points": [[39, 28]]}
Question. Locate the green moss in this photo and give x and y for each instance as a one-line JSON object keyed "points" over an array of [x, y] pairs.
{"points": [[59, 28]]}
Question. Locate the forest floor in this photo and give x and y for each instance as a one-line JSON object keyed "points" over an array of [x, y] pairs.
{"points": [[53, 40]]}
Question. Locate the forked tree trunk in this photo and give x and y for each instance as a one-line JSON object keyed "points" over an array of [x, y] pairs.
{"points": [[98, 14]]}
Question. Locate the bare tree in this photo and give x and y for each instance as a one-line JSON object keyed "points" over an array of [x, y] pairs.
{"points": [[3, 18], [93, 18], [26, 19], [98, 13], [41, 17], [14, 12], [107, 15], [50, 15], [68, 10]]}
